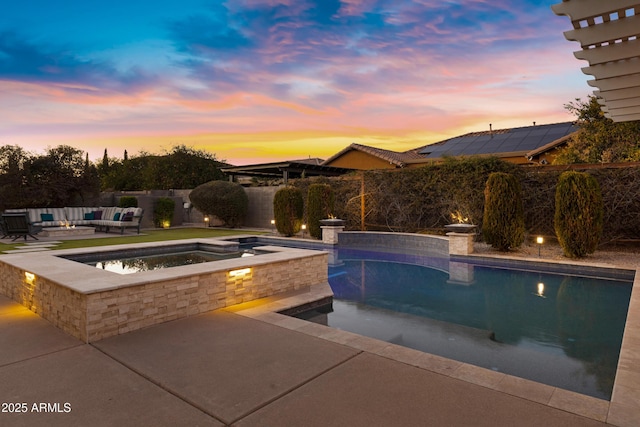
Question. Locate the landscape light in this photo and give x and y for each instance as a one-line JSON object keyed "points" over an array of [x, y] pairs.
{"points": [[539, 241]]}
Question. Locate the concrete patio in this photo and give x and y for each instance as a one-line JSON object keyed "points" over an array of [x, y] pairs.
{"points": [[248, 366]]}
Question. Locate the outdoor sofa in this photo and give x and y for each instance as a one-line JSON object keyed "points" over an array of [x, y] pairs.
{"points": [[103, 218]]}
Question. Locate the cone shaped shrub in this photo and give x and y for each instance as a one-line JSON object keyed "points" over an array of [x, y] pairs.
{"points": [[319, 206], [503, 220], [579, 214], [287, 210], [226, 200]]}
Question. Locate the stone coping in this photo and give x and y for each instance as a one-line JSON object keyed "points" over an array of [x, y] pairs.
{"points": [[552, 266], [86, 279]]}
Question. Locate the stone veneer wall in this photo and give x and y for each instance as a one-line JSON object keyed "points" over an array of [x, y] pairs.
{"points": [[414, 243], [61, 306], [91, 317]]}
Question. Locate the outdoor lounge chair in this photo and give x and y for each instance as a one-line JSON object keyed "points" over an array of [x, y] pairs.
{"points": [[18, 225]]}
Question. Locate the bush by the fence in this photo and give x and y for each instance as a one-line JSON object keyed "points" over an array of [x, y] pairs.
{"points": [[320, 204], [128, 202], [503, 220], [163, 212], [226, 200], [579, 213], [288, 208]]}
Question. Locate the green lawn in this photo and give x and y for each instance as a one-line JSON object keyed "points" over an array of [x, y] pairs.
{"points": [[145, 236]]}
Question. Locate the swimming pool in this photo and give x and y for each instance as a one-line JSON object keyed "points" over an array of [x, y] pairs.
{"points": [[564, 330]]}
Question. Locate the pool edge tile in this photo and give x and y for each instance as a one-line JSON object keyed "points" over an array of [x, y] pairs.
{"points": [[580, 404], [477, 375], [526, 389], [622, 415]]}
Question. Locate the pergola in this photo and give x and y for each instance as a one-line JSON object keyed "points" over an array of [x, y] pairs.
{"points": [[608, 31], [285, 170]]}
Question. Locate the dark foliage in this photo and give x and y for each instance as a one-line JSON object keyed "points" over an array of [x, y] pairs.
{"points": [[578, 218], [226, 200], [417, 200], [163, 211], [503, 220], [128, 202], [61, 177], [288, 209], [320, 202], [180, 168]]}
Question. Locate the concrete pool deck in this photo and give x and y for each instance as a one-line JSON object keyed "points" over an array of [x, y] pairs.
{"points": [[247, 365], [224, 368]]}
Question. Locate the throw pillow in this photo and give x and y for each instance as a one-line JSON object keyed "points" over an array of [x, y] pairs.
{"points": [[116, 216], [97, 214], [88, 216], [127, 216], [46, 217]]}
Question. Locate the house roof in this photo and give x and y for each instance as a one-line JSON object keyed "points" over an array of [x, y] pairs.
{"points": [[501, 143], [393, 157], [550, 146]]}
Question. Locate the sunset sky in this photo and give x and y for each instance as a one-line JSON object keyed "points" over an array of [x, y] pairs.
{"points": [[266, 80]]}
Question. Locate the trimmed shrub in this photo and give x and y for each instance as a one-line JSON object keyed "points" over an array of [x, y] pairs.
{"points": [[163, 212], [503, 220], [128, 202], [226, 200], [288, 209], [578, 219], [319, 206]]}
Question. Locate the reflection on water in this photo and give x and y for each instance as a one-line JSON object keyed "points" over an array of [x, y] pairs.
{"points": [[560, 330], [155, 262]]}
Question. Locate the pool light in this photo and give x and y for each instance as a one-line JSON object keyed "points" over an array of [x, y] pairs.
{"points": [[29, 278], [240, 272], [541, 290]]}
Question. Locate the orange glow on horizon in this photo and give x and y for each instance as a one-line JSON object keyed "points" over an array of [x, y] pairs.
{"points": [[244, 148]]}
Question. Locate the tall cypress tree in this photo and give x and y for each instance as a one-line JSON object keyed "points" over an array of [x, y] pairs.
{"points": [[503, 221]]}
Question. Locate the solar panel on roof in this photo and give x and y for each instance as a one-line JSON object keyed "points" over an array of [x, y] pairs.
{"points": [[538, 132], [529, 143], [518, 139]]}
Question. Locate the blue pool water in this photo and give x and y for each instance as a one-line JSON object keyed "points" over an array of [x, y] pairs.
{"points": [[561, 330]]}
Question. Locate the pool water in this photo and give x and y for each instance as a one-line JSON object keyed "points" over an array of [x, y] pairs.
{"points": [[561, 330], [136, 264]]}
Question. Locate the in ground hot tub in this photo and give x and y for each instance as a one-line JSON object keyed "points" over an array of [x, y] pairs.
{"points": [[156, 258], [93, 303]]}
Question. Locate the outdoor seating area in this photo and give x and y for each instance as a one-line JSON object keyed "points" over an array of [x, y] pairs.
{"points": [[102, 218]]}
